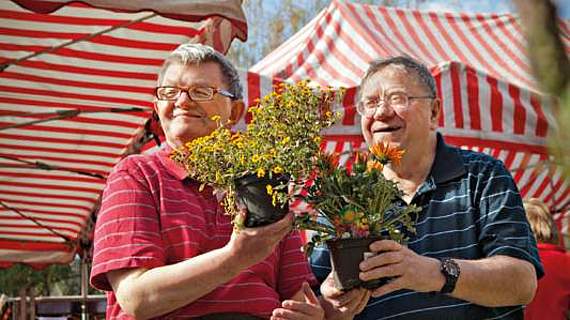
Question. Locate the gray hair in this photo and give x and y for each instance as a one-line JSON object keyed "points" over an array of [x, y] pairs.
{"points": [[195, 53], [409, 63]]}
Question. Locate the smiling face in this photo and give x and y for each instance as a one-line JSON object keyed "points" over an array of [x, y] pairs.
{"points": [[410, 127], [183, 119]]}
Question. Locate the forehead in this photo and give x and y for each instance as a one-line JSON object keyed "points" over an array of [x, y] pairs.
{"points": [[392, 77], [206, 73]]}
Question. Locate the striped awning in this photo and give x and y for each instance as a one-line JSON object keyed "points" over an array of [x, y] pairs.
{"points": [[76, 83], [490, 100]]}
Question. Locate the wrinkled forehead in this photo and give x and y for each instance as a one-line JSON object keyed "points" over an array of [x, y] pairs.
{"points": [[393, 77]]}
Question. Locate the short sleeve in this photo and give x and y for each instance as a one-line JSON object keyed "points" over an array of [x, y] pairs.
{"points": [[294, 268], [503, 224], [127, 233]]}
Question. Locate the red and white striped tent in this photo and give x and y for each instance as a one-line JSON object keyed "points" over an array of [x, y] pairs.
{"points": [[490, 100], [76, 83]]}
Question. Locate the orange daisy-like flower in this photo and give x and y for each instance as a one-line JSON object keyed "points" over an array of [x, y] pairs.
{"points": [[385, 154], [374, 165], [330, 161]]}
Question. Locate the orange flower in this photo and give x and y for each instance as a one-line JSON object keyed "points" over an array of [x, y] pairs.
{"points": [[385, 154], [374, 165]]}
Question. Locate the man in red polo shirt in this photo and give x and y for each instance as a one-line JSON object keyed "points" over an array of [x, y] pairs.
{"points": [[162, 249]]}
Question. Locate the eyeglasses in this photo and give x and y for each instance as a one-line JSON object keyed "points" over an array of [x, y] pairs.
{"points": [[395, 100], [195, 93]]}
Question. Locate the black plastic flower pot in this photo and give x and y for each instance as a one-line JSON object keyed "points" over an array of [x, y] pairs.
{"points": [[252, 192], [346, 255]]}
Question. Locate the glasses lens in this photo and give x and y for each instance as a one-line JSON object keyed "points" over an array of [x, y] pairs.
{"points": [[168, 93], [201, 93], [397, 99]]}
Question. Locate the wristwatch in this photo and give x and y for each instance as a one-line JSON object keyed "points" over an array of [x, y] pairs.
{"points": [[451, 271]]}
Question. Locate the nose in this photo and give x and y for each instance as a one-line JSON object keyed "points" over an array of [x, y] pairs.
{"points": [[382, 110], [184, 100]]}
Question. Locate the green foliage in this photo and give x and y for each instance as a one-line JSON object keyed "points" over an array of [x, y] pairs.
{"points": [[356, 202]]}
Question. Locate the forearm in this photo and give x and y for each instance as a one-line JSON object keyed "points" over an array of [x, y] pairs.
{"points": [[170, 287], [496, 281]]}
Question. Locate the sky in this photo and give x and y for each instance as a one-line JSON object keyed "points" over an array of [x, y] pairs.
{"points": [[486, 6]]}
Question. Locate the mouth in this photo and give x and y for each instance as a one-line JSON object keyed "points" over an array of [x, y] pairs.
{"points": [[386, 129], [186, 115]]}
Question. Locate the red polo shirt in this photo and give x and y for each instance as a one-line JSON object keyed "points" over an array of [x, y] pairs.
{"points": [[552, 299], [152, 215]]}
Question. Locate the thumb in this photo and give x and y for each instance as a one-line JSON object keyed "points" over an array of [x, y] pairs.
{"points": [[310, 296]]}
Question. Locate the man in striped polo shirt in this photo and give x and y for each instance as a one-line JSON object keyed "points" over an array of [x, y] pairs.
{"points": [[473, 255], [162, 249]]}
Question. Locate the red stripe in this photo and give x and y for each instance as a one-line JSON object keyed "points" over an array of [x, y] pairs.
{"points": [[49, 140], [17, 47], [253, 92], [456, 93], [39, 127], [496, 105], [522, 166], [501, 61], [40, 34], [187, 31], [42, 221], [59, 150], [137, 44], [519, 113], [37, 246], [410, 31], [79, 84], [373, 39], [473, 98], [322, 60], [403, 45], [510, 38], [495, 153], [68, 21], [563, 198], [436, 71], [534, 173], [545, 181], [72, 53], [49, 213], [349, 118], [343, 138], [541, 129], [84, 119], [39, 235], [88, 71], [349, 18], [59, 106], [52, 177], [492, 33], [432, 39], [44, 204], [23, 156], [50, 187], [449, 42], [510, 159], [89, 97], [55, 198], [490, 143], [555, 189]]}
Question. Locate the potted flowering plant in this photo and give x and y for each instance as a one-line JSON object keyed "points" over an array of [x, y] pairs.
{"points": [[353, 207], [253, 168]]}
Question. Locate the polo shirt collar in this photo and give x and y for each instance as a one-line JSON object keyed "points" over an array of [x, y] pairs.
{"points": [[171, 166], [448, 163]]}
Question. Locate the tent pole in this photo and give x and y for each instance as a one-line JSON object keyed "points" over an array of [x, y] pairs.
{"points": [[84, 288]]}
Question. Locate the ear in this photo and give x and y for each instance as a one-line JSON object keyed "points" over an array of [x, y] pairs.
{"points": [[238, 108], [435, 113]]}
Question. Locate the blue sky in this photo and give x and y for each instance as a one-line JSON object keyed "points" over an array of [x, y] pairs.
{"points": [[486, 6]]}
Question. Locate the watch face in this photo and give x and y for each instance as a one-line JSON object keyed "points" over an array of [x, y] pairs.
{"points": [[451, 268]]}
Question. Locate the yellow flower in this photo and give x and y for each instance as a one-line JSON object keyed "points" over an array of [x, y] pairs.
{"points": [[269, 189], [255, 158], [215, 118], [260, 172], [317, 139], [374, 165], [285, 140], [277, 170]]}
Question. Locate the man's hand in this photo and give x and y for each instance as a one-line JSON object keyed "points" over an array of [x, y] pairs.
{"points": [[342, 305], [411, 271], [251, 245], [306, 307]]}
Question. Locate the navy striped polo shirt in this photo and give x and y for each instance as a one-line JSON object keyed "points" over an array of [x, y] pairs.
{"points": [[471, 209]]}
